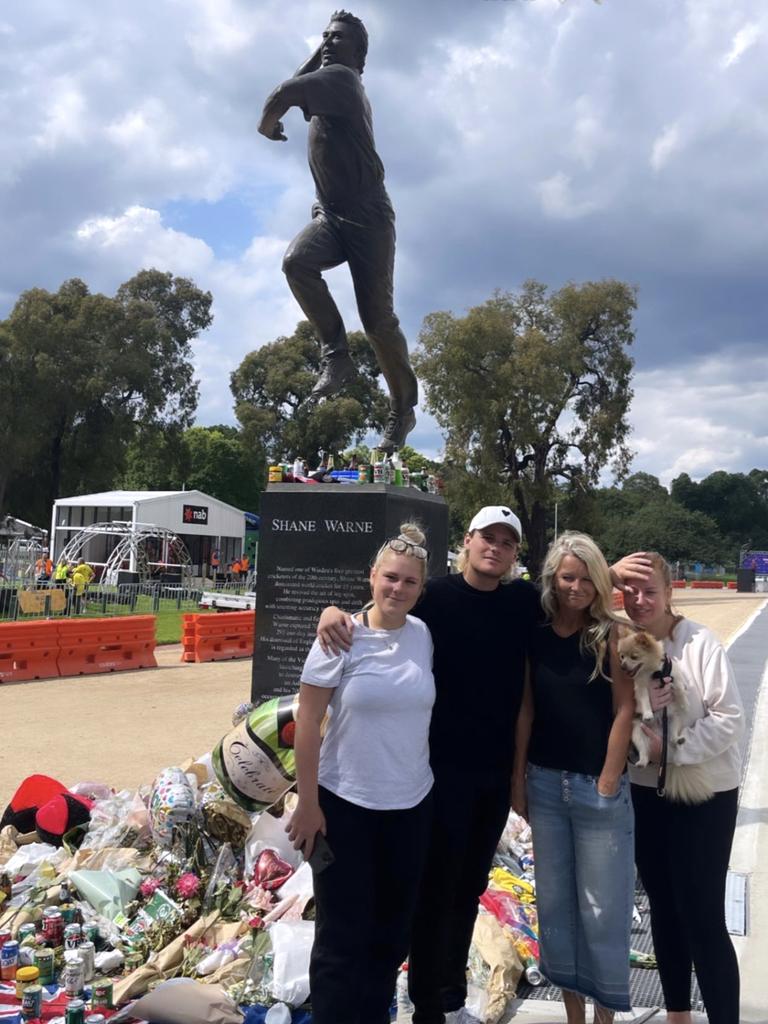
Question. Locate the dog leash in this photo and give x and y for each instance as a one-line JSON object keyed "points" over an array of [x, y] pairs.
{"points": [[661, 674]]}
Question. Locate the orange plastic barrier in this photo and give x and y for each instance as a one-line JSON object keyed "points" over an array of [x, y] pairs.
{"points": [[88, 646], [678, 584], [732, 584], [707, 585], [189, 637], [218, 637], [618, 600], [28, 650]]}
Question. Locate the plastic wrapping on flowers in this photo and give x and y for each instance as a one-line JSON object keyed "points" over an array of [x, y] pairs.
{"points": [[180, 880], [174, 880]]}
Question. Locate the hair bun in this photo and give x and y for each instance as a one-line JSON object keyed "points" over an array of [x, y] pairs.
{"points": [[413, 533]]}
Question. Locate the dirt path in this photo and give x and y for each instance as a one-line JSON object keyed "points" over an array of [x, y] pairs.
{"points": [[120, 728], [123, 728]]}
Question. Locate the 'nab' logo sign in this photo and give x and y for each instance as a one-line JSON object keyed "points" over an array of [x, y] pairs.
{"points": [[195, 514]]}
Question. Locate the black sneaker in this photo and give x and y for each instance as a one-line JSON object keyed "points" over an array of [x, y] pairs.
{"points": [[337, 371], [399, 426]]}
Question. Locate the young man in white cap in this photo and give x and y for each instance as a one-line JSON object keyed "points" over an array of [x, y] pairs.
{"points": [[480, 633]]}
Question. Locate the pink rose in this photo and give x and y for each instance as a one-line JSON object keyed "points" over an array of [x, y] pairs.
{"points": [[187, 885]]}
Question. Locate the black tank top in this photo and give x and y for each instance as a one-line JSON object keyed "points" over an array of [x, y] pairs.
{"points": [[572, 715]]}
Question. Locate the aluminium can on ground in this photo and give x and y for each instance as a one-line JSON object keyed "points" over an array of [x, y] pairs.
{"points": [[101, 994], [75, 1012], [87, 951], [9, 960], [53, 926], [32, 1002], [74, 976], [45, 961], [69, 912]]}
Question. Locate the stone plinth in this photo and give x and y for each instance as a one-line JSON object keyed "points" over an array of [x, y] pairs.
{"points": [[316, 544]]}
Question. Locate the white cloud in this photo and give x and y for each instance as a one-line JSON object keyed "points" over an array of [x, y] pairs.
{"points": [[744, 40], [701, 417], [664, 146], [64, 116], [520, 139], [138, 238], [252, 304], [557, 198]]}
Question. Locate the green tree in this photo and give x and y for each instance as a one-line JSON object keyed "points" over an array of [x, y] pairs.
{"points": [[643, 487], [418, 463], [733, 500], [216, 460], [89, 371], [531, 390], [224, 465], [759, 478], [271, 387], [156, 460], [667, 527]]}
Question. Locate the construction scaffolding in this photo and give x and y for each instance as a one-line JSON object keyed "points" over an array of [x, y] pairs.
{"points": [[148, 550]]}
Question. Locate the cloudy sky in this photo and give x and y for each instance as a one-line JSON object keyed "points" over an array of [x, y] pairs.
{"points": [[522, 138]]}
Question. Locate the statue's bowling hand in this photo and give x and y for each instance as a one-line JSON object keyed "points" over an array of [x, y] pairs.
{"points": [[274, 132]]}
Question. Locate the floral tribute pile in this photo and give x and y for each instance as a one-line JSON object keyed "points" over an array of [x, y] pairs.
{"points": [[175, 883], [184, 900]]}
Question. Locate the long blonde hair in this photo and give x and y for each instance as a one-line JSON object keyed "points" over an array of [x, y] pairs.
{"points": [[595, 636]]}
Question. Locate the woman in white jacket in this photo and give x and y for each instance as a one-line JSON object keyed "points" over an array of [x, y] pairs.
{"points": [[682, 850]]}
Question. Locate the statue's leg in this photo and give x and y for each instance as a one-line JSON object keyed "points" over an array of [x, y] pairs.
{"points": [[371, 257], [315, 249]]}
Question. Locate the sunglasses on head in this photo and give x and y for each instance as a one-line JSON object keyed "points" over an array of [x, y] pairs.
{"points": [[407, 547]]}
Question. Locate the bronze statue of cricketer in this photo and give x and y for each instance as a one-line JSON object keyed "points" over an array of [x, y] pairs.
{"points": [[352, 219]]}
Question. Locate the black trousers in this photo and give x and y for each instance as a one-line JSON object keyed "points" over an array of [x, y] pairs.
{"points": [[366, 241], [682, 854], [470, 812], [364, 908]]}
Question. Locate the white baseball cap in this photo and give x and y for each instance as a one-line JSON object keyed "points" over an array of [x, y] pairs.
{"points": [[493, 514]]}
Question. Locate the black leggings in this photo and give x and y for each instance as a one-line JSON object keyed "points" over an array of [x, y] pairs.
{"points": [[364, 906], [682, 854]]}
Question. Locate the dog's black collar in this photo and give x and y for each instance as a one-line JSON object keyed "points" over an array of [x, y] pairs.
{"points": [[665, 670]]}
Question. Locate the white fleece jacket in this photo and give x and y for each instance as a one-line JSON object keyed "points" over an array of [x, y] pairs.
{"points": [[714, 719]]}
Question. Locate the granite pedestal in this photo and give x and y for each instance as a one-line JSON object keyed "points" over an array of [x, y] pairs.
{"points": [[316, 545]]}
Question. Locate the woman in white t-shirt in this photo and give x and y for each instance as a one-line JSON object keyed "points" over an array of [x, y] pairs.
{"points": [[365, 790], [682, 849]]}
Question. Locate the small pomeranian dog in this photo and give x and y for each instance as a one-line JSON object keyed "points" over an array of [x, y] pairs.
{"points": [[641, 656]]}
